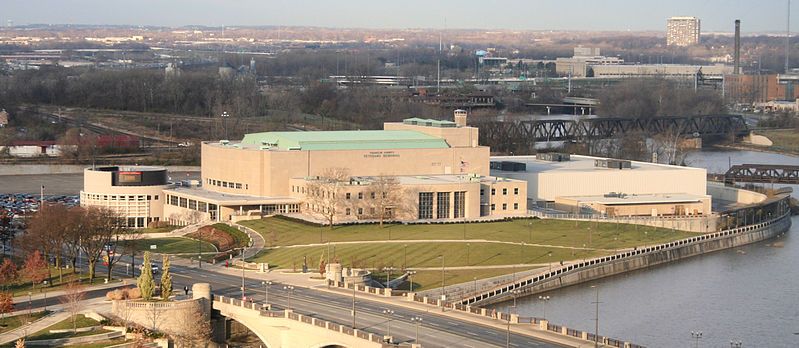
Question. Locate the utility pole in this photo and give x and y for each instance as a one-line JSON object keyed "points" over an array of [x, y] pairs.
{"points": [[443, 288]]}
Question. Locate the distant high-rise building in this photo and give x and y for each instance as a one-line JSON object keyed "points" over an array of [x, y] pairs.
{"points": [[682, 31]]}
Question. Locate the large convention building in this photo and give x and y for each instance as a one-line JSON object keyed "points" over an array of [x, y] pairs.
{"points": [[415, 170], [436, 169]]}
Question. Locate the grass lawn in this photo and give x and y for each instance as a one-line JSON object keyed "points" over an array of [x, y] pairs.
{"points": [[82, 321], [174, 245], [426, 280], [10, 323], [158, 229], [21, 287], [280, 231], [421, 254], [100, 344], [784, 139]]}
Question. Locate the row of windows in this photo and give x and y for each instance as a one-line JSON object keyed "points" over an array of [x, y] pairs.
{"points": [[372, 212], [184, 202], [227, 184], [504, 191], [443, 205], [505, 206], [98, 197], [348, 195]]}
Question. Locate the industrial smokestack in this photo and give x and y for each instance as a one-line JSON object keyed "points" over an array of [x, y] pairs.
{"points": [[737, 69]]}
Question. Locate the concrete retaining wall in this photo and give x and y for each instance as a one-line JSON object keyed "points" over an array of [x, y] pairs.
{"points": [[732, 194], [169, 317], [637, 259]]}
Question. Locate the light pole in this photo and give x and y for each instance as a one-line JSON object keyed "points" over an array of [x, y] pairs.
{"points": [[353, 305], [474, 280], [507, 337], [266, 285], [388, 274], [388, 314], [443, 287], [468, 247], [30, 305], [289, 289], [410, 279], [596, 318], [405, 257], [544, 299], [530, 231], [736, 344], [225, 116], [243, 296], [696, 335], [417, 321], [550, 261], [45, 295]]}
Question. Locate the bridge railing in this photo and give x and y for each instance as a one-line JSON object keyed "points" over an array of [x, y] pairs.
{"points": [[305, 319]]}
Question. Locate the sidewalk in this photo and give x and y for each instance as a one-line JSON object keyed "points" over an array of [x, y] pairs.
{"points": [[37, 294], [24, 330]]}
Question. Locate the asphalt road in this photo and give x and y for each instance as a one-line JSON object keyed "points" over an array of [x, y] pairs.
{"points": [[434, 331]]}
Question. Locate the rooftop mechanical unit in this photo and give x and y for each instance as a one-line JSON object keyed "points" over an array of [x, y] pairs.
{"points": [[553, 157], [509, 166], [613, 164]]}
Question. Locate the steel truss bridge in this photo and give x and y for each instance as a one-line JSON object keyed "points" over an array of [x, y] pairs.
{"points": [[514, 135], [762, 173]]}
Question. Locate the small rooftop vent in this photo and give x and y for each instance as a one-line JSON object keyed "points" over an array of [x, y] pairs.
{"points": [[615, 195], [553, 157], [613, 164], [224, 142]]}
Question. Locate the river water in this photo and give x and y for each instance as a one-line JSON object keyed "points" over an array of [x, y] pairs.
{"points": [[748, 294]]}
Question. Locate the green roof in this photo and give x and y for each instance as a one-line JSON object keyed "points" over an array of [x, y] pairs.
{"points": [[346, 140]]}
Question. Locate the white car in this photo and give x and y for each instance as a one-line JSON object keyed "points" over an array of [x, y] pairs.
{"points": [[153, 268]]}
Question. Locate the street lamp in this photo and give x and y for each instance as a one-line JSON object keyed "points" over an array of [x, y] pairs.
{"points": [[507, 338], [474, 280], [696, 335], [29, 304], [289, 289], [266, 285], [530, 231], [225, 116], [353, 304], [468, 247], [388, 275], [443, 286], [544, 299], [45, 295], [736, 344], [417, 321], [243, 287], [404, 257], [388, 314], [410, 279]]}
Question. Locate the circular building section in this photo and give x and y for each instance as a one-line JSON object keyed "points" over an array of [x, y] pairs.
{"points": [[134, 192]]}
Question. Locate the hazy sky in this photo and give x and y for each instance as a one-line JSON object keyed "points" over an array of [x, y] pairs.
{"points": [[716, 15]]}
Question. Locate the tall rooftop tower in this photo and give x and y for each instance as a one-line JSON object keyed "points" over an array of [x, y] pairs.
{"points": [[682, 31]]}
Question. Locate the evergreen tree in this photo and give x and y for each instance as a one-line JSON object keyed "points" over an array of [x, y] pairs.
{"points": [[145, 281], [166, 280]]}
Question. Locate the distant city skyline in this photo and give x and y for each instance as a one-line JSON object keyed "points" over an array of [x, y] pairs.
{"points": [[609, 15]]}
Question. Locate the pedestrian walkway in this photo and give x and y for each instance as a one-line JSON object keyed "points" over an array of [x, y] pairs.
{"points": [[41, 294], [35, 326]]}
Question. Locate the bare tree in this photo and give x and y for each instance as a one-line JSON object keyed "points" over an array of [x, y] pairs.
{"points": [[385, 198], [195, 329], [74, 293], [324, 194], [102, 227]]}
